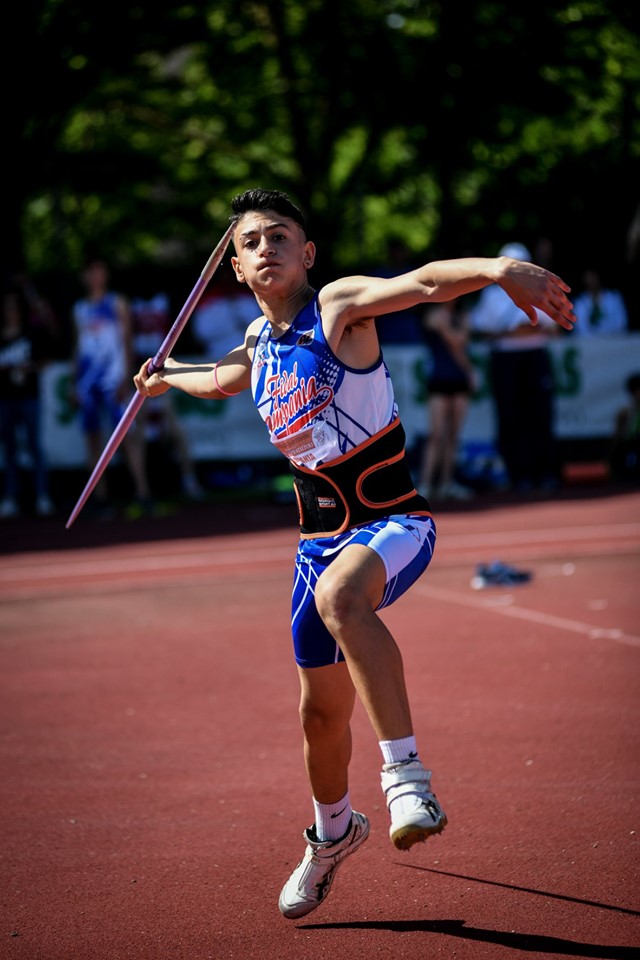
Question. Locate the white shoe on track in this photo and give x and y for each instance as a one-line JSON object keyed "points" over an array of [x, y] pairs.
{"points": [[415, 812], [310, 883]]}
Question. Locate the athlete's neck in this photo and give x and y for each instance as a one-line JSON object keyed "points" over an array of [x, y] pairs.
{"points": [[282, 313]]}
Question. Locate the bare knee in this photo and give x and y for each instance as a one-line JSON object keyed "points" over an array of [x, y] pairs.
{"points": [[323, 724], [337, 602]]}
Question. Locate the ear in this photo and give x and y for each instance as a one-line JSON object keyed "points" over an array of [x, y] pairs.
{"points": [[235, 263], [309, 254]]}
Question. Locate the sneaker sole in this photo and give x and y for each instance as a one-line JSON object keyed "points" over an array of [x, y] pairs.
{"points": [[404, 837]]}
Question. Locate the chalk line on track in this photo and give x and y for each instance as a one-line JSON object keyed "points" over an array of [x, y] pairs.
{"points": [[545, 534], [90, 567], [523, 613]]}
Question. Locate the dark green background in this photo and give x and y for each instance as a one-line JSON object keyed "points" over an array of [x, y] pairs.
{"points": [[129, 126]]}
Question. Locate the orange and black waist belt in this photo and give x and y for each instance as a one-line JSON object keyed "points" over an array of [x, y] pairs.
{"points": [[371, 482]]}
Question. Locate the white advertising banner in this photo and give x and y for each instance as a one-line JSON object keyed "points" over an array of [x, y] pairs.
{"points": [[590, 375]]}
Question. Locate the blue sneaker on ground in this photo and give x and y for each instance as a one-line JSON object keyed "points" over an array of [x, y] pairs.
{"points": [[498, 574]]}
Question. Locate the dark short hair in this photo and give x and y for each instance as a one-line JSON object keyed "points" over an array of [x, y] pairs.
{"points": [[260, 199]]}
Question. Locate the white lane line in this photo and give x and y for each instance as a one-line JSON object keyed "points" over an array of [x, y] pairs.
{"points": [[557, 570], [81, 589], [499, 605], [520, 551], [550, 534], [164, 561]]}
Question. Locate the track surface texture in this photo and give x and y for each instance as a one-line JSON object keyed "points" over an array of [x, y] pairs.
{"points": [[153, 790]]}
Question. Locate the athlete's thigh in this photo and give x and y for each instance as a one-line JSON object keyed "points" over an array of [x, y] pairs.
{"points": [[313, 645], [405, 545], [357, 575], [343, 569]]}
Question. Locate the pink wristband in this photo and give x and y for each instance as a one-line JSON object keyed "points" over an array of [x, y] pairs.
{"points": [[218, 387]]}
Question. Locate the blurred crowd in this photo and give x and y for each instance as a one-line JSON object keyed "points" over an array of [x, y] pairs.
{"points": [[108, 332], [104, 336], [526, 454]]}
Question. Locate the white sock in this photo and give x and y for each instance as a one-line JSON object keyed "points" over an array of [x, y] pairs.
{"points": [[333, 819], [397, 751]]}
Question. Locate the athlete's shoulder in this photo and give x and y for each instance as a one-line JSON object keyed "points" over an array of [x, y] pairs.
{"points": [[342, 290], [256, 326], [253, 335]]}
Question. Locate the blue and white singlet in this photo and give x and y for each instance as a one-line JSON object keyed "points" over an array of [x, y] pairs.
{"points": [[316, 408], [100, 344]]}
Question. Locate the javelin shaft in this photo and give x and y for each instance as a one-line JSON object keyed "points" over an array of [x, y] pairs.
{"points": [[157, 363], [112, 445], [210, 268]]}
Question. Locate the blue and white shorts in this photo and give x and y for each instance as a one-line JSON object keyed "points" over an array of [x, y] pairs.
{"points": [[99, 404], [404, 543]]}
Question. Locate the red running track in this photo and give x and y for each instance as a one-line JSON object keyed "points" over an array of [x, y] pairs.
{"points": [[153, 792]]}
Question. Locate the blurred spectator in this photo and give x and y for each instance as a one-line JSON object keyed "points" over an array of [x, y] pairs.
{"points": [[102, 365], [219, 322], [41, 315], [449, 387], [522, 384], [151, 320], [543, 253], [624, 458], [599, 310], [24, 348], [403, 326]]}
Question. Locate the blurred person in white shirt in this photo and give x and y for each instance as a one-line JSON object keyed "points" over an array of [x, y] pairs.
{"points": [[599, 310], [521, 383], [221, 318]]}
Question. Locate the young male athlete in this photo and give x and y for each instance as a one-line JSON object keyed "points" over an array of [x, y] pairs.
{"points": [[313, 363]]}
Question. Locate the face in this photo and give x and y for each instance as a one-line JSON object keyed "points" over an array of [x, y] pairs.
{"points": [[591, 280], [96, 275], [272, 253]]}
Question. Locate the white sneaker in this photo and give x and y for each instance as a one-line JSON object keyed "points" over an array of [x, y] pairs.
{"points": [[310, 882], [415, 812], [9, 508]]}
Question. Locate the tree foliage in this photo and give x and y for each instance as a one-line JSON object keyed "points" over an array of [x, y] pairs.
{"points": [[455, 126]]}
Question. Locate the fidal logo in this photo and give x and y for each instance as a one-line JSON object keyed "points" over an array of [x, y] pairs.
{"points": [[295, 401]]}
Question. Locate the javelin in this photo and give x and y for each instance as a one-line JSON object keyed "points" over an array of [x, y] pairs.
{"points": [[157, 363]]}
